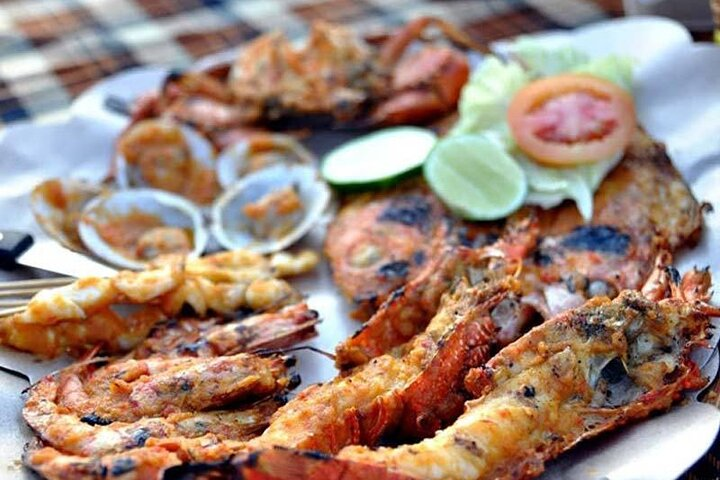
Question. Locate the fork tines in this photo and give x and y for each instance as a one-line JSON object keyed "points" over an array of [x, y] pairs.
{"points": [[14, 295]]}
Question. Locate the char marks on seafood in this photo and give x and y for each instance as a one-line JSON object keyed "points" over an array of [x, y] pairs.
{"points": [[415, 388], [586, 371], [643, 210], [379, 242], [186, 393]]}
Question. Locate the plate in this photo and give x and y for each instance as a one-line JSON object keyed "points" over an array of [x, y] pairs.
{"points": [[687, 119]]}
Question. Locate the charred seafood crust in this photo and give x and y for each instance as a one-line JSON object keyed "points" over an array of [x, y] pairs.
{"points": [[585, 371]]}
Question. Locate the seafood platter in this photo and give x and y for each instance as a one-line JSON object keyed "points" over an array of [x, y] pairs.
{"points": [[408, 256]]}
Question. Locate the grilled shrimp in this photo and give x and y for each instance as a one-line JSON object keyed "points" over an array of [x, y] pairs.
{"points": [[406, 311], [378, 243], [565, 262], [584, 372], [91, 412], [117, 313], [213, 336], [415, 388]]}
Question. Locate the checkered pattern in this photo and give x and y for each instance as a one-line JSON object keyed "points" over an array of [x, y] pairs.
{"points": [[51, 50]]}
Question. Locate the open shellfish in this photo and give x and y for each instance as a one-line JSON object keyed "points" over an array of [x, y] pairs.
{"points": [[257, 152], [166, 156], [130, 228], [57, 203], [270, 209]]}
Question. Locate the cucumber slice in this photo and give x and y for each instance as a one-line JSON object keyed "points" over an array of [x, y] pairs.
{"points": [[379, 159]]}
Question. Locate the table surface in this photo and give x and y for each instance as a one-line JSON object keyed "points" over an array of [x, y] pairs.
{"points": [[52, 50]]}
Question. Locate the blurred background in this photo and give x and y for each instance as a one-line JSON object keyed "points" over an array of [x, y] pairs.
{"points": [[51, 50]]}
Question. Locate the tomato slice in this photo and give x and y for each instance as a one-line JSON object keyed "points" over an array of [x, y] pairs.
{"points": [[571, 119]]}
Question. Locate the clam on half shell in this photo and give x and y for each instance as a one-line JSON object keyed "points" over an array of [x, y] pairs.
{"points": [[57, 203], [257, 152], [112, 226], [163, 155], [234, 227]]}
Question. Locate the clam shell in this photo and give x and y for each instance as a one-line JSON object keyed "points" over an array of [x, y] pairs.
{"points": [[57, 203], [230, 225], [234, 163], [130, 176], [173, 211]]}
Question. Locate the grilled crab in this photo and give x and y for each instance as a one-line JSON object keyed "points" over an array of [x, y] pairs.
{"points": [[336, 76]]}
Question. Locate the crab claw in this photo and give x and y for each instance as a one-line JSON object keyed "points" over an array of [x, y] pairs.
{"points": [[425, 86]]}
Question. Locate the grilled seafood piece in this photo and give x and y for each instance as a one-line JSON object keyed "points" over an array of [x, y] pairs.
{"points": [[163, 155], [565, 261], [324, 418], [90, 414], [641, 209], [172, 394], [117, 313], [584, 372], [57, 204], [406, 310], [91, 409], [213, 336], [336, 77], [393, 391], [379, 242]]}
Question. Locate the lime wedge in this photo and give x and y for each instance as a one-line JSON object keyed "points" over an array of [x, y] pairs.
{"points": [[379, 159], [476, 177]]}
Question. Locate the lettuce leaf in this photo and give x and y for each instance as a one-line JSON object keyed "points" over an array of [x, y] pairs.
{"points": [[485, 99], [483, 109], [541, 61], [613, 68]]}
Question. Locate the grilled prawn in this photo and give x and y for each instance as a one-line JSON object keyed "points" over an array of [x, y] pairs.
{"points": [[117, 313], [416, 387], [89, 416], [584, 372], [382, 396], [216, 336], [94, 409], [378, 243], [406, 310], [642, 209], [174, 390]]}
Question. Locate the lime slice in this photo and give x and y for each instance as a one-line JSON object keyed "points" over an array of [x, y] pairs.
{"points": [[476, 177], [379, 159]]}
